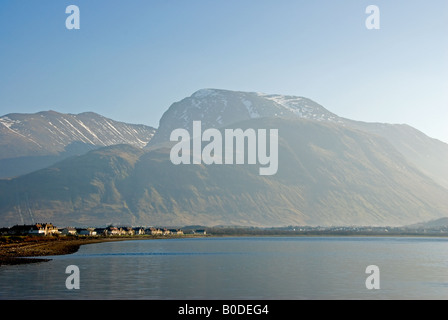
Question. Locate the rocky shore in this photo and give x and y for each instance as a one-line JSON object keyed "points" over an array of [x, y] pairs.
{"points": [[25, 250]]}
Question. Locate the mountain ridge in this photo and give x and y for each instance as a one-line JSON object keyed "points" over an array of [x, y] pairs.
{"points": [[33, 141], [332, 171], [328, 175]]}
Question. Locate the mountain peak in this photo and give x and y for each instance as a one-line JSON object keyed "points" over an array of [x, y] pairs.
{"points": [[49, 112], [216, 108], [203, 93]]}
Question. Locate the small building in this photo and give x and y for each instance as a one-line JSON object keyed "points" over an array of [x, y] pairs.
{"points": [[48, 229], [154, 231], [112, 231], [87, 232], [139, 231], [38, 229], [68, 231], [101, 231], [175, 232]]}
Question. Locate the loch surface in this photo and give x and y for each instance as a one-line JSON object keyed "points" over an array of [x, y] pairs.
{"points": [[243, 268]]}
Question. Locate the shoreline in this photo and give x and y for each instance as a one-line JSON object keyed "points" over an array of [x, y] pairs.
{"points": [[30, 250], [35, 249]]}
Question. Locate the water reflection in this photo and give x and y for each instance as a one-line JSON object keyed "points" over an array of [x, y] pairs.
{"points": [[239, 268]]}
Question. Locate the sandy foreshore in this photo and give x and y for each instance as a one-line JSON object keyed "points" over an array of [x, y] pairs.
{"points": [[21, 251]]}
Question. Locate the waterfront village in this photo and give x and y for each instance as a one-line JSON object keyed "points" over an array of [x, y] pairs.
{"points": [[48, 229]]}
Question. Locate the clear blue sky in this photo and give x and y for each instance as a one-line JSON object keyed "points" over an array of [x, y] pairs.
{"points": [[132, 59]]}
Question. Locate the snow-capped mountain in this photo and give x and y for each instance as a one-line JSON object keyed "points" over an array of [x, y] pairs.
{"points": [[331, 170], [328, 175], [217, 108], [54, 135]]}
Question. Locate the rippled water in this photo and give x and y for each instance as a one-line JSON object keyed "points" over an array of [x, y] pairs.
{"points": [[240, 268]]}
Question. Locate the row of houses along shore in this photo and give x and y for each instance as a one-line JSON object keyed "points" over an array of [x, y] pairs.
{"points": [[48, 229]]}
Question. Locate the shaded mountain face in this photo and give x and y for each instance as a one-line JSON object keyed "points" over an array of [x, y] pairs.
{"points": [[328, 174], [33, 141], [219, 108]]}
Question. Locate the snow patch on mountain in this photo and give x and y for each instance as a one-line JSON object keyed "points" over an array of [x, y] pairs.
{"points": [[301, 107], [52, 132], [251, 109], [7, 122]]}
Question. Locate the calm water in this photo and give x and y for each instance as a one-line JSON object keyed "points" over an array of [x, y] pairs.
{"points": [[240, 268]]}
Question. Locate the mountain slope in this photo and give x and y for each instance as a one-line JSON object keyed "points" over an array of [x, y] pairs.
{"points": [[219, 108], [328, 175], [438, 224], [33, 141], [427, 154]]}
